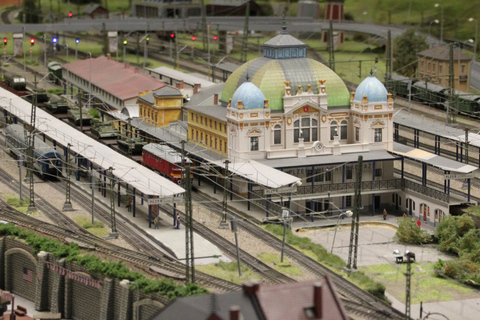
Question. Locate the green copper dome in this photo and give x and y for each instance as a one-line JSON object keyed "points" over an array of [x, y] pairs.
{"points": [[269, 76]]}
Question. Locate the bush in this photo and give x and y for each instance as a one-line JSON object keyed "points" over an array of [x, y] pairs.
{"points": [[409, 232], [451, 229], [377, 289]]}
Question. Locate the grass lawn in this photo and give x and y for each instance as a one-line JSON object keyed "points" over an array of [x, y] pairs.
{"points": [[15, 202], [273, 260], [425, 286], [98, 229], [228, 271]]}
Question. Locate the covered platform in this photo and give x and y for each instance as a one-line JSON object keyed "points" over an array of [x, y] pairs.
{"points": [[101, 161]]}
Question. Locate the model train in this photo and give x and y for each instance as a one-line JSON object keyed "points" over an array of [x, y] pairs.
{"points": [[55, 72], [434, 95], [47, 161], [164, 160]]}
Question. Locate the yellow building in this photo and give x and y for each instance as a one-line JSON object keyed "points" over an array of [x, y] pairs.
{"points": [[434, 63], [160, 107], [207, 127]]}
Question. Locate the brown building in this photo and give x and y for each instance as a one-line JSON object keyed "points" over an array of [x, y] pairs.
{"points": [[95, 11], [434, 64], [334, 11], [293, 301], [232, 8]]}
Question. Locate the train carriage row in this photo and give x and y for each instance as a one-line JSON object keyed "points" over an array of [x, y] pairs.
{"points": [[433, 95], [165, 160]]}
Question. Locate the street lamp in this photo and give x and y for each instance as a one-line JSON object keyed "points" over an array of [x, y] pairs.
{"points": [[76, 48], [437, 5], [476, 32], [342, 215], [434, 21]]}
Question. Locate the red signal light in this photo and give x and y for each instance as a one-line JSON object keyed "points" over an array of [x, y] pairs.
{"points": [[194, 38], [5, 40], [215, 37], [70, 14], [32, 41], [172, 35]]}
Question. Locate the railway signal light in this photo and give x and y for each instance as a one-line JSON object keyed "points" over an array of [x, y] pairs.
{"points": [[125, 42], [32, 42], [5, 40], [77, 40], [172, 36], [194, 38], [148, 39], [54, 39], [70, 14], [215, 37]]}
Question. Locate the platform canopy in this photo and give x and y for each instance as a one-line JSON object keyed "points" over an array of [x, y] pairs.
{"points": [[431, 159], [125, 169], [260, 173]]}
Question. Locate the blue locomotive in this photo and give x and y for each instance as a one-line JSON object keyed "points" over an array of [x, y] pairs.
{"points": [[47, 161]]}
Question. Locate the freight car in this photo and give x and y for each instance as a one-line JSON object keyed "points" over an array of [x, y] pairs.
{"points": [[47, 162], [55, 72], [17, 83], [165, 160]]}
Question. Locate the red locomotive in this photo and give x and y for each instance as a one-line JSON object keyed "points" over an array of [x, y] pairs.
{"points": [[165, 160]]}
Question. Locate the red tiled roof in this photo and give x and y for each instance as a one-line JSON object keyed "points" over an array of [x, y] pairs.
{"points": [[113, 77]]}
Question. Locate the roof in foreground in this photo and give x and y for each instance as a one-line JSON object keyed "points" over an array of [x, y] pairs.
{"points": [[432, 159], [178, 75], [113, 77], [125, 169], [260, 173]]}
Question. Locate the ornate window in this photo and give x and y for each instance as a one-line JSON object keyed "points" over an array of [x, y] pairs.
{"points": [[277, 134], [357, 133], [253, 143], [343, 129], [308, 129], [333, 129], [378, 134]]}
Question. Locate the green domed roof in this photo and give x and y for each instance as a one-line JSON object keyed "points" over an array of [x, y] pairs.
{"points": [[269, 76]]}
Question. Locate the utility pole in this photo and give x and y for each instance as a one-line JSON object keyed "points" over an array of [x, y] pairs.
{"points": [[451, 84], [388, 70], [190, 264], [67, 206], [30, 147], [204, 27], [466, 145], [113, 222], [20, 164], [223, 222], [245, 33], [408, 275], [352, 251], [331, 48], [92, 184], [234, 230]]}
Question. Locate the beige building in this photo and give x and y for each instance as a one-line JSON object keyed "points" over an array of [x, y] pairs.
{"points": [[434, 63]]}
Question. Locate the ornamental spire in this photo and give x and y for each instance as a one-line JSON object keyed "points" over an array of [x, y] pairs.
{"points": [[284, 24]]}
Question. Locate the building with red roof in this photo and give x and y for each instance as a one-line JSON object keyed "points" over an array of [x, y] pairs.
{"points": [[114, 83]]}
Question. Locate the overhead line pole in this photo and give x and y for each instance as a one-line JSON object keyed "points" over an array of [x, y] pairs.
{"points": [[245, 34], [31, 147], [331, 48], [352, 251]]}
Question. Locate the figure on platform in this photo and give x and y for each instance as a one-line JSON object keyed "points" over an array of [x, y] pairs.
{"points": [[384, 214], [156, 221], [129, 204]]}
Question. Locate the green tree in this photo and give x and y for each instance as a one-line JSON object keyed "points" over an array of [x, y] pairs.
{"points": [[452, 229], [31, 12], [405, 49], [409, 232]]}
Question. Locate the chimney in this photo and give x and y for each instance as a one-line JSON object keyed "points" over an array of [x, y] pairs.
{"points": [[196, 87], [136, 70], [250, 288], [180, 84], [235, 313], [177, 85], [317, 299], [109, 56], [127, 65], [215, 99]]}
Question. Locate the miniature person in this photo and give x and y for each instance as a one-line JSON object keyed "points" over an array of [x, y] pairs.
{"points": [[404, 215], [129, 204], [156, 221], [384, 214]]}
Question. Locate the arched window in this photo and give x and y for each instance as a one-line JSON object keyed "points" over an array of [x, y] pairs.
{"points": [[343, 130], [277, 134], [308, 127], [333, 129]]}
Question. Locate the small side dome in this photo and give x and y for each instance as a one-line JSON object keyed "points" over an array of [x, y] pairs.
{"points": [[373, 89], [250, 95]]}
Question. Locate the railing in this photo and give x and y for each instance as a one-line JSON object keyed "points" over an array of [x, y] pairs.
{"points": [[350, 187], [430, 192]]}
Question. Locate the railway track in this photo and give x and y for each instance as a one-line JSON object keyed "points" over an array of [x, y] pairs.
{"points": [[357, 300]]}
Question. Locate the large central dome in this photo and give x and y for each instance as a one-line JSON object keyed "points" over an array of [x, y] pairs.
{"points": [[285, 60]]}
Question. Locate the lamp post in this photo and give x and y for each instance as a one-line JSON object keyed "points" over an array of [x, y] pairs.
{"points": [[285, 218], [437, 5], [476, 33], [76, 48], [342, 215], [233, 224], [430, 25]]}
